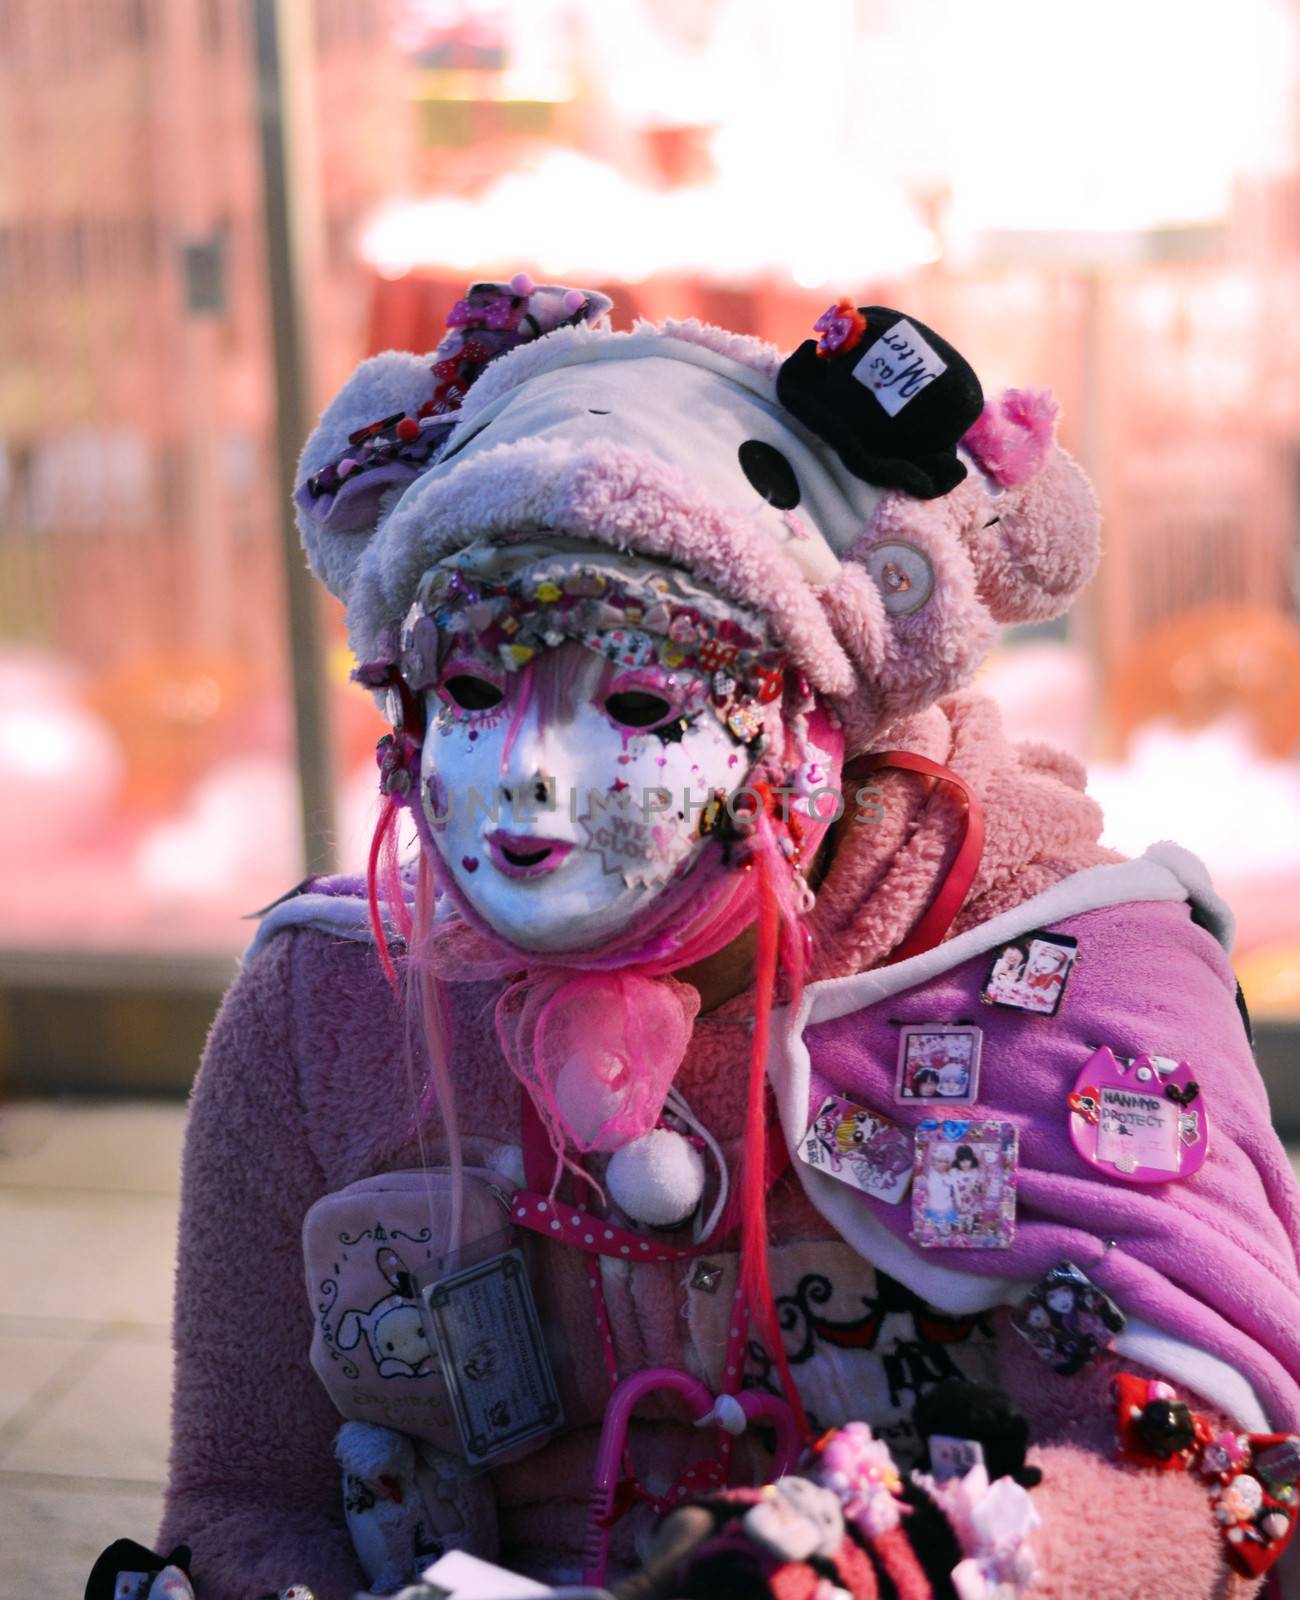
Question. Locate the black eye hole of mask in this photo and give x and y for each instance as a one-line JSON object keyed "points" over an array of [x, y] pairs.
{"points": [[770, 474], [473, 694], [637, 708]]}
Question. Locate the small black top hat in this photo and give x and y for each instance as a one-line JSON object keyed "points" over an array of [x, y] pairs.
{"points": [[887, 394]]}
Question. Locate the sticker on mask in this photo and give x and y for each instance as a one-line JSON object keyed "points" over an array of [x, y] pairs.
{"points": [[626, 647], [484, 1324], [868, 1152], [1136, 1121], [898, 366], [938, 1061], [1067, 1319], [951, 1457], [964, 1184], [1030, 973], [635, 848]]}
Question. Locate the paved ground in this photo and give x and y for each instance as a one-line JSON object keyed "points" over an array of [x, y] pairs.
{"points": [[87, 1235]]}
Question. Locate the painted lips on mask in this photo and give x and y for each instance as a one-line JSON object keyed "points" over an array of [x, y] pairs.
{"points": [[525, 855]]}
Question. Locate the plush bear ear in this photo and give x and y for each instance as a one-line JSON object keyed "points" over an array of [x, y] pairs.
{"points": [[387, 425], [1035, 539], [346, 469], [927, 582]]}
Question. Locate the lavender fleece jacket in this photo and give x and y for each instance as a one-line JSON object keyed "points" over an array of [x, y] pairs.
{"points": [[304, 1089]]}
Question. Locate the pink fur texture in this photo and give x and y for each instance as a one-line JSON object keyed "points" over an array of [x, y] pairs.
{"points": [[1124, 1533], [1039, 827], [1036, 546], [936, 648], [1013, 435]]}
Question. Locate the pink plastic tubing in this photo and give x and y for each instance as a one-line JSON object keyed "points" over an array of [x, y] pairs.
{"points": [[613, 1445]]}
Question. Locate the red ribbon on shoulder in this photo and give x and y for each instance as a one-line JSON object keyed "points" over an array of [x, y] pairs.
{"points": [[951, 894]]}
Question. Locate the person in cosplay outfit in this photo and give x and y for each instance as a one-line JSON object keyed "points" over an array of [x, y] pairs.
{"points": [[674, 636]]}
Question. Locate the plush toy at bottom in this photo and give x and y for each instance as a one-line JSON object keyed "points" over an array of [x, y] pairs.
{"points": [[760, 1092]]}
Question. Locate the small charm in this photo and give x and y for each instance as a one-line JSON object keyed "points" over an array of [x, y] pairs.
{"points": [[962, 1423], [1225, 1455], [1155, 1428], [1135, 1129], [1278, 1464], [964, 1184], [1030, 973], [796, 1519], [706, 1276], [868, 1152], [1067, 1319], [860, 1470], [938, 1061], [840, 327], [1254, 1498]]}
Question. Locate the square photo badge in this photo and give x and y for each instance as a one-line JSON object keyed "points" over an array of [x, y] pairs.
{"points": [[938, 1062], [1030, 973], [964, 1184]]}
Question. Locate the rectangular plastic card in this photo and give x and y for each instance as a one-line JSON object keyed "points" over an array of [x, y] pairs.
{"points": [[868, 1152], [461, 1576], [938, 1061], [1030, 973], [964, 1184], [951, 1457], [485, 1326]]}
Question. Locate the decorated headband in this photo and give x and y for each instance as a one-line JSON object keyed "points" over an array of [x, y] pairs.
{"points": [[506, 604]]}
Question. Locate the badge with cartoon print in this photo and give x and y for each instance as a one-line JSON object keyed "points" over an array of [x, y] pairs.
{"points": [[1141, 1119], [860, 1148], [1029, 973]]}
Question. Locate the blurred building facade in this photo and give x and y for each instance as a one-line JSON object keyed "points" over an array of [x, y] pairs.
{"points": [[135, 395], [1129, 236]]}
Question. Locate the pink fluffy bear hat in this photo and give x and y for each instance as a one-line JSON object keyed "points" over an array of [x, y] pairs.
{"points": [[860, 494]]}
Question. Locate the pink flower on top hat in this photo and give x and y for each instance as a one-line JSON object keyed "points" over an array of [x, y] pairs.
{"points": [[840, 327]]}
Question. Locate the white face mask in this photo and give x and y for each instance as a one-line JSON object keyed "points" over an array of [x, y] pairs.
{"points": [[563, 799]]}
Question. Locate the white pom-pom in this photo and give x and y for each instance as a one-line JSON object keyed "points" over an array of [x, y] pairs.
{"points": [[521, 283], [658, 1178]]}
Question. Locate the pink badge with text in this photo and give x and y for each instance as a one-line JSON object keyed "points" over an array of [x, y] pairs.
{"points": [[1140, 1120]]}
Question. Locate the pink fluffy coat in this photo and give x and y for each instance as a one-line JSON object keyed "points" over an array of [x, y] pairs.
{"points": [[303, 1090]]}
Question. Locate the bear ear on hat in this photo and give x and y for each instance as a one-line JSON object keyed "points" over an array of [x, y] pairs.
{"points": [[927, 582], [1034, 533], [387, 425], [368, 445]]}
